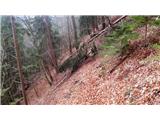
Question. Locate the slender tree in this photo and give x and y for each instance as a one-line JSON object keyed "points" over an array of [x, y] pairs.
{"points": [[19, 65], [103, 22], [146, 28], [75, 31], [143, 21], [84, 24], [69, 37], [49, 43], [109, 21], [88, 26]]}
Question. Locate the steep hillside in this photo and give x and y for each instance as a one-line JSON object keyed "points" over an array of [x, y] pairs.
{"points": [[135, 81]]}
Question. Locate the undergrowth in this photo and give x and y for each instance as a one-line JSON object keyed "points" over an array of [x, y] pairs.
{"points": [[118, 40]]}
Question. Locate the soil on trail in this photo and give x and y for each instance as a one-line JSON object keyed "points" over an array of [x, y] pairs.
{"points": [[135, 81]]}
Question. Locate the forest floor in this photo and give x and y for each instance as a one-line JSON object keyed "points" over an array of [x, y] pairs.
{"points": [[135, 81]]}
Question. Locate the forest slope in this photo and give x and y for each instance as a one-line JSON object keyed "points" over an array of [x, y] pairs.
{"points": [[135, 81]]}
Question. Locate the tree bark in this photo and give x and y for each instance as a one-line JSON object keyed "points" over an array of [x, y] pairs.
{"points": [[19, 65], [69, 37], [103, 31], [88, 27], [119, 63], [96, 22], [93, 25], [47, 74], [50, 44], [109, 21], [103, 22], [146, 30], [75, 31]]}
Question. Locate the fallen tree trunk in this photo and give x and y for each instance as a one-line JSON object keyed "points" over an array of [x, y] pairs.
{"points": [[75, 61], [120, 62], [81, 55], [104, 30]]}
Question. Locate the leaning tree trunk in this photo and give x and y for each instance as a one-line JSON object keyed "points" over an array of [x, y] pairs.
{"points": [[50, 44], [75, 32], [19, 65], [69, 37]]}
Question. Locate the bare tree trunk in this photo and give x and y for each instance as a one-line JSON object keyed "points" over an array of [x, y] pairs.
{"points": [[47, 74], [109, 21], [75, 31], [88, 27], [49, 44], [93, 25], [120, 62], [69, 37], [96, 22], [103, 22], [146, 30], [19, 65], [36, 92]]}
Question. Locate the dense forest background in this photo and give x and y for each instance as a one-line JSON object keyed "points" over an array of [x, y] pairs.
{"points": [[32, 46]]}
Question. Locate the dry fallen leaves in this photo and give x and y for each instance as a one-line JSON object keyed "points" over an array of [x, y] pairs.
{"points": [[131, 83]]}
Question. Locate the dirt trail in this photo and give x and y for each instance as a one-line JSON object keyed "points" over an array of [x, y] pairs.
{"points": [[133, 82]]}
